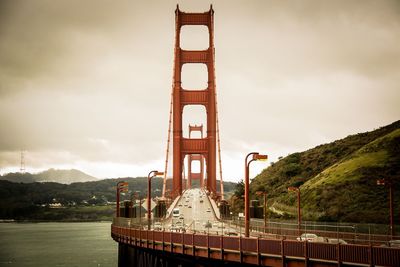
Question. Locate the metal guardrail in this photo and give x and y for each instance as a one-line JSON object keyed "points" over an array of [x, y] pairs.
{"points": [[256, 251]]}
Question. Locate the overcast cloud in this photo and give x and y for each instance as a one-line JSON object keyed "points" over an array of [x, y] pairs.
{"points": [[86, 84]]}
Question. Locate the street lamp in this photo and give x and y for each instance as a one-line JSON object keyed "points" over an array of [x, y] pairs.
{"points": [[389, 184], [134, 197], [256, 156], [259, 193], [296, 189], [121, 187], [149, 177]]}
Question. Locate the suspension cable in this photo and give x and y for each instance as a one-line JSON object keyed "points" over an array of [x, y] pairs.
{"points": [[221, 182], [219, 150], [168, 142]]}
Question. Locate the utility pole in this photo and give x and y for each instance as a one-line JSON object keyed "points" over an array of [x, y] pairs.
{"points": [[22, 168]]}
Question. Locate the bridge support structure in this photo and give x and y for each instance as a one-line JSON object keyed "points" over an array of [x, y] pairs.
{"points": [[217, 250], [195, 157], [190, 96]]}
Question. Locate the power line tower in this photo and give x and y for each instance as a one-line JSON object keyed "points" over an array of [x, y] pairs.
{"points": [[22, 168]]}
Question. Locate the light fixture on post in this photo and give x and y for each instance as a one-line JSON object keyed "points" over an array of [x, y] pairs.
{"points": [[121, 187], [149, 177], [256, 156], [389, 183]]}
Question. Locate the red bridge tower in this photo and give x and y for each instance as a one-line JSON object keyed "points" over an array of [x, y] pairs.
{"points": [[187, 96]]}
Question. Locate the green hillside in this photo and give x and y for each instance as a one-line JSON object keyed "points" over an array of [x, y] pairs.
{"points": [[94, 200], [338, 180]]}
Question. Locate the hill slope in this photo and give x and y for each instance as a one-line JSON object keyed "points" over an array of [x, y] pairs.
{"points": [[338, 180], [51, 175]]}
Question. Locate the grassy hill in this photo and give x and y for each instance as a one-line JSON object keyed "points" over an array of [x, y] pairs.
{"points": [[338, 180]]}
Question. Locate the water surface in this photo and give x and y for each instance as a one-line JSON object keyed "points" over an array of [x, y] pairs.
{"points": [[57, 244]]}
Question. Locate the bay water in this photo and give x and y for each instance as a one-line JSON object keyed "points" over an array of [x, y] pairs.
{"points": [[57, 244]]}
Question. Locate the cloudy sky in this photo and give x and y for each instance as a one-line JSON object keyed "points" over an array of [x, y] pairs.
{"points": [[86, 84]]}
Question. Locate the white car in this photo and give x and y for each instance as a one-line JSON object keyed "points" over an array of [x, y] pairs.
{"points": [[230, 232], [157, 226], [394, 243], [308, 237], [175, 212]]}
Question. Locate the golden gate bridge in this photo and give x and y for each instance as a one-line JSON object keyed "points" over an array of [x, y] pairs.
{"points": [[192, 225]]}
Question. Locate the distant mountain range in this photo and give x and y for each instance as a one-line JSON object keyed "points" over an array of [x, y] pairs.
{"points": [[338, 180], [51, 175]]}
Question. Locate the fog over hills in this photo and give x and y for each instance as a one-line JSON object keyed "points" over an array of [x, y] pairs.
{"points": [[51, 175]]}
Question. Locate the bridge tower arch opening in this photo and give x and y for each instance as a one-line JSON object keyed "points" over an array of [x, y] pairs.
{"points": [[182, 97], [195, 175]]}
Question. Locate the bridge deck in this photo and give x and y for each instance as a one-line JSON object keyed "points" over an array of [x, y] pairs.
{"points": [[257, 251]]}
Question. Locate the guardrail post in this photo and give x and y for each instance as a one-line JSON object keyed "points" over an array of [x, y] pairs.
{"points": [[283, 252], [258, 251], [163, 243], [370, 260], [147, 238], [338, 254], [130, 236], [305, 253], [154, 241], [183, 243], [194, 248], [240, 249], [208, 245], [222, 248], [172, 244], [140, 237], [135, 240]]}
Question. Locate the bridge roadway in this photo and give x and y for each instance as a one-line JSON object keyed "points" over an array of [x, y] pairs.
{"points": [[197, 213]]}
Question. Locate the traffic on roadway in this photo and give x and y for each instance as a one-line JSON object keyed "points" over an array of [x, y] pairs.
{"points": [[194, 212]]}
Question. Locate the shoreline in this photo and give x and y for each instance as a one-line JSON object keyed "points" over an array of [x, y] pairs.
{"points": [[51, 221]]}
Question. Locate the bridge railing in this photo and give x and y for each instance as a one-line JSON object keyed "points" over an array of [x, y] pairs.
{"points": [[263, 248], [348, 233], [351, 237]]}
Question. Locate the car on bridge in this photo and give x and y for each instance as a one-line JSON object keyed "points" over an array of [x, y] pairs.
{"points": [[392, 244], [175, 212], [157, 226], [311, 238], [230, 232]]}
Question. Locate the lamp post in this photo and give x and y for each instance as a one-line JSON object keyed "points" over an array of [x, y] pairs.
{"points": [[265, 207], [389, 184], [296, 189], [134, 196], [121, 187], [149, 177], [256, 156], [140, 213]]}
